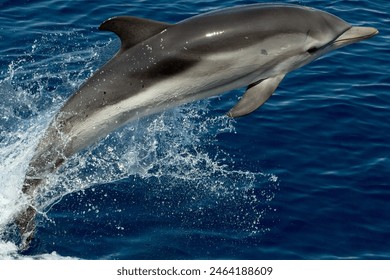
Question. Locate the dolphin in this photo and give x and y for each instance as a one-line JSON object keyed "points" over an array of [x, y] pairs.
{"points": [[161, 65]]}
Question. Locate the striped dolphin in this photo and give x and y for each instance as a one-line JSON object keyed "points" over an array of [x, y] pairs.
{"points": [[161, 65]]}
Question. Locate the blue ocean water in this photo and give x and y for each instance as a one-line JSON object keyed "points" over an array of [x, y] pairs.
{"points": [[304, 177]]}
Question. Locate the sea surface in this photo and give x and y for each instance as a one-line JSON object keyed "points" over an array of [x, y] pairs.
{"points": [[307, 176]]}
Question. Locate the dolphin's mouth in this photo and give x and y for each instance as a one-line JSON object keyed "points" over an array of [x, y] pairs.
{"points": [[350, 36], [353, 35]]}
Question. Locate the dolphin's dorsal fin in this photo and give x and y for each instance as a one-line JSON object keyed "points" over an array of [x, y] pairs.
{"points": [[133, 30], [256, 95]]}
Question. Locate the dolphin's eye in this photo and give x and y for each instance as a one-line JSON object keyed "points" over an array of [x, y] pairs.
{"points": [[312, 50]]}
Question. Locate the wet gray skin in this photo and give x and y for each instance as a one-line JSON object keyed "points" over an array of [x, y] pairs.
{"points": [[162, 65]]}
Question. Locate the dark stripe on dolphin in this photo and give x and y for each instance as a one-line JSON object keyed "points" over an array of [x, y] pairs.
{"points": [[168, 67]]}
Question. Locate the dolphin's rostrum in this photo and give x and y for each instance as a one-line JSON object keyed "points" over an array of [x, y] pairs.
{"points": [[161, 65]]}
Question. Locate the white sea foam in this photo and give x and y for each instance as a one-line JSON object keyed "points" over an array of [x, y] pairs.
{"points": [[30, 95]]}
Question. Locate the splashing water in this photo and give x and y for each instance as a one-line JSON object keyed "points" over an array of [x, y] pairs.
{"points": [[175, 151]]}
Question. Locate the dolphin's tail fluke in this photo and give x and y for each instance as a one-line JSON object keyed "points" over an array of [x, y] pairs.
{"points": [[46, 160], [26, 224], [26, 218]]}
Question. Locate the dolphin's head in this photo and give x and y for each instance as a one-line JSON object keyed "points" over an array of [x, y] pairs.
{"points": [[298, 35], [328, 32]]}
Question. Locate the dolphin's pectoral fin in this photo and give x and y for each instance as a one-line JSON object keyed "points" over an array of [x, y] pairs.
{"points": [[133, 30], [256, 95]]}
